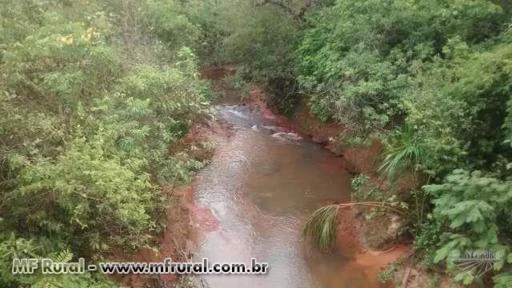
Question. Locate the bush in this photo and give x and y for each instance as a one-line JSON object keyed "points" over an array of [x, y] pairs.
{"points": [[354, 56], [87, 130], [433, 79], [472, 206]]}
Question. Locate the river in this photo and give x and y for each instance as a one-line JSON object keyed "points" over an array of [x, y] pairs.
{"points": [[258, 191]]}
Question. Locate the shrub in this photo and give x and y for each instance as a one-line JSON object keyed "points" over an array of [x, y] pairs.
{"points": [[472, 205], [87, 129]]}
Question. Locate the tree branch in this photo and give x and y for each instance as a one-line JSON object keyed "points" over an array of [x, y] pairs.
{"points": [[297, 15]]}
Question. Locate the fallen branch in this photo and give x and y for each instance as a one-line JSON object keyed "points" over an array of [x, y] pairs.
{"points": [[385, 205], [321, 226], [406, 277]]}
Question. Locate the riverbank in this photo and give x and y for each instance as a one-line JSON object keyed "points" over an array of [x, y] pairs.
{"points": [[182, 218], [386, 257], [186, 219], [353, 230], [355, 160]]}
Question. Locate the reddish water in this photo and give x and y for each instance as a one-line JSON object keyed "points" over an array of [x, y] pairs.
{"points": [[253, 199]]}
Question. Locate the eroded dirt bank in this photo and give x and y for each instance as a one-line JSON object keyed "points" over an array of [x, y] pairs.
{"points": [[355, 234], [352, 160], [224, 214], [182, 219]]}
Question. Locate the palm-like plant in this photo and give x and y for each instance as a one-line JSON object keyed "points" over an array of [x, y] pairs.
{"points": [[322, 226], [404, 151]]}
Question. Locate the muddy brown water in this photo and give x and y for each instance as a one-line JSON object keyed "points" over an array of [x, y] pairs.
{"points": [[258, 192]]}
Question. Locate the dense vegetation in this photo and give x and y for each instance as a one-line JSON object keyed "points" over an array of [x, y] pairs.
{"points": [[94, 94], [431, 80]]}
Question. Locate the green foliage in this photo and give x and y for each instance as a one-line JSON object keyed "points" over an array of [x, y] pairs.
{"points": [[434, 79], [262, 49], [403, 153], [95, 94], [322, 225], [427, 240], [387, 275], [463, 123], [15, 247], [464, 120], [503, 280], [356, 138], [84, 280], [471, 206], [170, 22], [241, 86], [364, 190], [91, 107], [79, 185], [354, 56]]}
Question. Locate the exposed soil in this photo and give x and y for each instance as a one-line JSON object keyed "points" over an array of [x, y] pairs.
{"points": [[354, 232], [175, 242], [183, 217], [357, 160]]}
